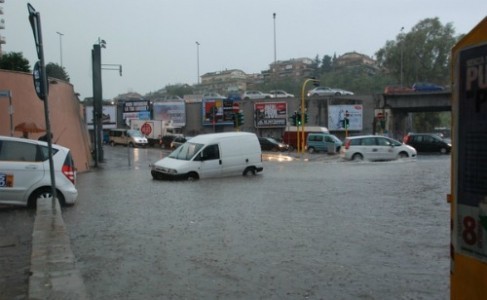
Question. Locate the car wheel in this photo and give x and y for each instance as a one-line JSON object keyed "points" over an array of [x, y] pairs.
{"points": [[291, 148], [156, 175], [44, 193], [338, 94], [443, 151], [249, 170], [192, 176], [357, 157], [131, 145], [274, 149], [311, 150], [403, 155]]}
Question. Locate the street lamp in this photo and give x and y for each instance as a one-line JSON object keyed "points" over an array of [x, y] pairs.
{"points": [[198, 61], [275, 55], [60, 46], [402, 54]]}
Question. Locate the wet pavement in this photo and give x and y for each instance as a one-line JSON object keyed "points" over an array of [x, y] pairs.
{"points": [[312, 228]]}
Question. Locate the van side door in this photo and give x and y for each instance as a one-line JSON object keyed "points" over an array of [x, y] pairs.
{"points": [[211, 164]]}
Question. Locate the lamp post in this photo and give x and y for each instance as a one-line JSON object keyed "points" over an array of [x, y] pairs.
{"points": [[198, 62], [275, 53], [60, 47], [301, 140], [402, 54]]}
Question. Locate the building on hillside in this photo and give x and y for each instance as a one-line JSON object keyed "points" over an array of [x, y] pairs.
{"points": [[223, 81], [351, 59], [293, 68]]}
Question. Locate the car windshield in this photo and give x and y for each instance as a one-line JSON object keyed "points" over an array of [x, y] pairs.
{"points": [[135, 133], [273, 140], [186, 151]]}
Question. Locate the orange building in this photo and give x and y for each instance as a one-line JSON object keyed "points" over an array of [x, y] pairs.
{"points": [[65, 113]]}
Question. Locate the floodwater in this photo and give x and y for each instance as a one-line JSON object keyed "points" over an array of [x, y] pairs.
{"points": [[318, 229]]}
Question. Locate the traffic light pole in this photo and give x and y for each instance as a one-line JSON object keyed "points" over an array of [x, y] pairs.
{"points": [[316, 82]]}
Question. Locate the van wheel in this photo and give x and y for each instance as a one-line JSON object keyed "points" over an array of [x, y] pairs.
{"points": [[357, 157], [311, 150], [249, 170], [192, 176]]}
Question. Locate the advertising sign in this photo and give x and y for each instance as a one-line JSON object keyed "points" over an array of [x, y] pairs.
{"points": [[337, 114], [270, 114], [172, 113], [472, 148], [135, 110], [108, 119], [217, 112]]}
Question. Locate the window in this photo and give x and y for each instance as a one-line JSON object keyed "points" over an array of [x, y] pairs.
{"points": [[18, 151], [211, 152]]}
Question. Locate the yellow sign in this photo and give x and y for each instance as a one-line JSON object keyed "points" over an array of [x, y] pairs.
{"points": [[469, 166]]}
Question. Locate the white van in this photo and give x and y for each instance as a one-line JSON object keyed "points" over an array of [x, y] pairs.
{"points": [[212, 155], [127, 137]]}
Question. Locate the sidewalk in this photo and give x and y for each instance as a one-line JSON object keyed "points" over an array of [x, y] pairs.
{"points": [[53, 266]]}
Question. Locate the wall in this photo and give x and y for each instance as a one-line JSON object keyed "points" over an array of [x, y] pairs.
{"points": [[65, 113]]}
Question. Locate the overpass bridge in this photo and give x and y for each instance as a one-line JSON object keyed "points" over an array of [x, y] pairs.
{"points": [[396, 108]]}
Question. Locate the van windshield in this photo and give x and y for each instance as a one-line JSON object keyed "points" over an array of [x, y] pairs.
{"points": [[134, 133], [186, 151]]}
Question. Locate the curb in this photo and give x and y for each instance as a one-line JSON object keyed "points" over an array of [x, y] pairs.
{"points": [[53, 265]]}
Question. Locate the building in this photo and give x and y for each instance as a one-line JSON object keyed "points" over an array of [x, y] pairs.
{"points": [[223, 81], [292, 68]]}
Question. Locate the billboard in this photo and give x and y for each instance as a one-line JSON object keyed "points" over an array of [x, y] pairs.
{"points": [[172, 113], [270, 114], [108, 119], [217, 112], [135, 110], [337, 113]]}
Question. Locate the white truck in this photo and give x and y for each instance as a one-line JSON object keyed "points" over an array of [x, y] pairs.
{"points": [[156, 132]]}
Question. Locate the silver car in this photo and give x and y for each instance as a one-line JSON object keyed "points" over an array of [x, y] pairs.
{"points": [[375, 148]]}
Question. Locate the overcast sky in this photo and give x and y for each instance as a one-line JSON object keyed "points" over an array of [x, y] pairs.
{"points": [[155, 40]]}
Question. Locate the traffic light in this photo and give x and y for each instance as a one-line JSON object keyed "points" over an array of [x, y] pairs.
{"points": [[306, 118], [241, 119], [238, 119], [293, 119], [298, 119]]}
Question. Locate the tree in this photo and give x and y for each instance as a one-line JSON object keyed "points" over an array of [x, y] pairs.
{"points": [[326, 64], [56, 71], [423, 54], [14, 61]]}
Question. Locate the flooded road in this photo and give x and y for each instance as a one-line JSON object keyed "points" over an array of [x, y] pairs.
{"points": [[318, 229]]}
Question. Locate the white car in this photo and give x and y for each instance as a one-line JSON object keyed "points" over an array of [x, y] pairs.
{"points": [[255, 95], [376, 148], [280, 94], [327, 91], [25, 174]]}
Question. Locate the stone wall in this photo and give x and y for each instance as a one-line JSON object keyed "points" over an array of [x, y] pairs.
{"points": [[65, 113]]}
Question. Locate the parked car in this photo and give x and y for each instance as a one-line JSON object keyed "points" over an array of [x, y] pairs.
{"points": [[327, 91], [214, 96], [234, 96], [427, 87], [25, 172], [317, 142], [268, 143], [397, 89], [247, 95], [428, 142], [280, 94], [375, 148], [179, 140]]}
